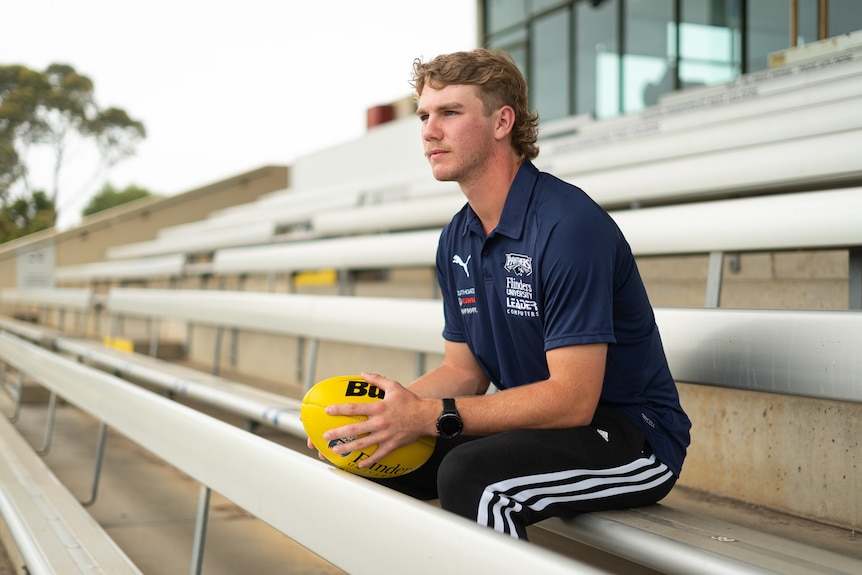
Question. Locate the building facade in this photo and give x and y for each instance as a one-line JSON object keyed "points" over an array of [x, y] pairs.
{"points": [[606, 58]]}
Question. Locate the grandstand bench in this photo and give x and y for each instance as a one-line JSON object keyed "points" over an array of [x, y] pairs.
{"points": [[292, 492], [50, 529], [814, 220], [77, 301], [742, 348], [778, 351]]}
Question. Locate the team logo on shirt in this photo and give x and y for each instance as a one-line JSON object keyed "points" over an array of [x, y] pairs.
{"points": [[456, 259], [519, 264], [520, 299]]}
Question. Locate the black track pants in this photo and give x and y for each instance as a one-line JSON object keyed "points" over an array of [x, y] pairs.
{"points": [[510, 480]]}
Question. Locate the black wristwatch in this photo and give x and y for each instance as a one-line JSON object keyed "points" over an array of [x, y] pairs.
{"points": [[449, 423]]}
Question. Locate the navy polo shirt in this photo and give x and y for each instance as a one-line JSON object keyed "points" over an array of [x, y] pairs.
{"points": [[557, 271]]}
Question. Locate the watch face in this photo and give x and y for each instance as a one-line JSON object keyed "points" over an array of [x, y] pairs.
{"points": [[449, 425]]}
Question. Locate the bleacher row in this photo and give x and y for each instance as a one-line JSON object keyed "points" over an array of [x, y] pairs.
{"points": [[671, 178], [775, 351], [815, 220]]}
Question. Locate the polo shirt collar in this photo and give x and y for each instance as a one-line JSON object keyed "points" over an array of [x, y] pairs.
{"points": [[511, 222]]}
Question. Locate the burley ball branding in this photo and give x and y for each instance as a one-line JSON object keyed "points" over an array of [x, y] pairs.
{"points": [[354, 389]]}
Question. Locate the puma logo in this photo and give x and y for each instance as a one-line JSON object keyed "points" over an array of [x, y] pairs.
{"points": [[457, 260]]}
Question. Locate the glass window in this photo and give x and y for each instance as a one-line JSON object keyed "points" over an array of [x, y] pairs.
{"points": [[539, 6], [709, 42], [507, 40], [515, 43], [807, 24], [577, 62], [519, 55], [844, 16], [649, 59], [500, 14], [597, 62], [549, 76], [768, 25]]}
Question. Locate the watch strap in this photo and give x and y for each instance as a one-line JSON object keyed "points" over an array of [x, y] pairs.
{"points": [[449, 422]]}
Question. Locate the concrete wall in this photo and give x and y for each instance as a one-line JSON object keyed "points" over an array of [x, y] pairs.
{"points": [[793, 454], [784, 280]]}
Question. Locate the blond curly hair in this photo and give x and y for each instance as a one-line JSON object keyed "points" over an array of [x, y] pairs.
{"points": [[500, 83]]}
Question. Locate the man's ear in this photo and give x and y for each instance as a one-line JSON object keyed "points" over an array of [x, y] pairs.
{"points": [[505, 122]]}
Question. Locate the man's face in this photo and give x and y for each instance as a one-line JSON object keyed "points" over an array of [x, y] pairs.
{"points": [[457, 135]]}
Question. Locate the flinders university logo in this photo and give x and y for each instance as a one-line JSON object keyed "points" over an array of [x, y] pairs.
{"points": [[519, 264]]}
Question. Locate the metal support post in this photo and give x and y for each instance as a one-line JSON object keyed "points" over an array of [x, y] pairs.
{"points": [[217, 351], [234, 347], [300, 354], [346, 282], [713, 279], [311, 363], [97, 472], [154, 337], [200, 531], [49, 425], [855, 278], [18, 394], [190, 330], [83, 323]]}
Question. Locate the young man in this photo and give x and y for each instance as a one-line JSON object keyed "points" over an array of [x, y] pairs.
{"points": [[542, 298]]}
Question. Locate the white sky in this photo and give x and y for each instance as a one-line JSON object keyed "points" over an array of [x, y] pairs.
{"points": [[226, 87]]}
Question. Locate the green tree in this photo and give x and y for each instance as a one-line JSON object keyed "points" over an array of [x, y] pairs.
{"points": [[110, 197], [26, 215], [56, 110]]}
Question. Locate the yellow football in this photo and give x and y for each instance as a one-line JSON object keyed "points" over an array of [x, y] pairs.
{"points": [[354, 389]]}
